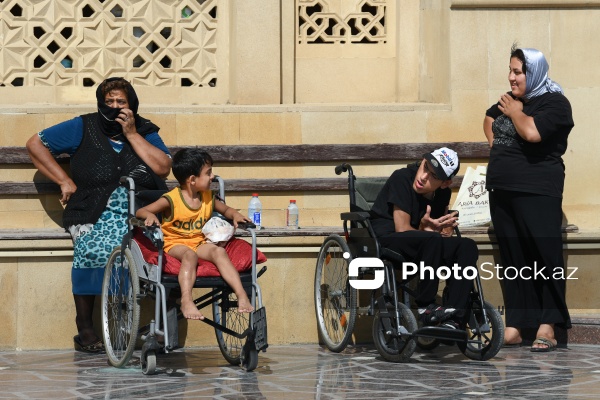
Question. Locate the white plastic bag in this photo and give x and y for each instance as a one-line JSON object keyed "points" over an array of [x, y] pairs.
{"points": [[217, 230], [472, 201]]}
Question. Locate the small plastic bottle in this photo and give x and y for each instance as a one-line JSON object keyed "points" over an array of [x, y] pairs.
{"points": [[255, 210], [292, 215]]}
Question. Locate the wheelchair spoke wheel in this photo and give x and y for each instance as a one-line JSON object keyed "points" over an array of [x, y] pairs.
{"points": [[390, 345], [483, 345], [335, 299], [225, 313], [120, 307]]}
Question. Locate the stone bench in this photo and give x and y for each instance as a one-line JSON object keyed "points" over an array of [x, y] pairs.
{"points": [[250, 155], [265, 154]]}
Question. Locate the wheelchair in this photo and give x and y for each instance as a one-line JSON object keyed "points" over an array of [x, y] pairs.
{"points": [[129, 278], [396, 333]]}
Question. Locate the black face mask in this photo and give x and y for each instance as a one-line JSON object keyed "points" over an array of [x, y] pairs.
{"points": [[112, 128]]}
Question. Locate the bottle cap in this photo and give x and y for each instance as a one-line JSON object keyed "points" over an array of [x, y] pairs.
{"points": [[254, 194], [293, 201]]}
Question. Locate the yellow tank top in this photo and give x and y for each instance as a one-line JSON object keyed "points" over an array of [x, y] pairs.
{"points": [[184, 226]]}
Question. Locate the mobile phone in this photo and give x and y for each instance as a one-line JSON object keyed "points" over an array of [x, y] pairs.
{"points": [[454, 211]]}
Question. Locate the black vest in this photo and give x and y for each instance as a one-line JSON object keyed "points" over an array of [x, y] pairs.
{"points": [[96, 169]]}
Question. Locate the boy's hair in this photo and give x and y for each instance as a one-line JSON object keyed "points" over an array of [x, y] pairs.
{"points": [[188, 162]]}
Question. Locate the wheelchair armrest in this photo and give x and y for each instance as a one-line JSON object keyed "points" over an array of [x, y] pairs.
{"points": [[355, 216], [140, 223], [246, 225], [153, 232], [392, 256], [241, 225]]}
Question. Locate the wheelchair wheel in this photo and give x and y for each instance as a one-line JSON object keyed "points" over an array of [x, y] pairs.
{"points": [[335, 299], [225, 313], [483, 346], [249, 356], [120, 307], [149, 364], [427, 343], [393, 347]]}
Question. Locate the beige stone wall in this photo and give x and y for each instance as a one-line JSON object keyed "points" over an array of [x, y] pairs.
{"points": [[441, 65], [427, 76]]}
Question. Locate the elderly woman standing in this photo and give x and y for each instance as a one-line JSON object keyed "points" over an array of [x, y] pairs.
{"points": [[527, 131], [103, 146]]}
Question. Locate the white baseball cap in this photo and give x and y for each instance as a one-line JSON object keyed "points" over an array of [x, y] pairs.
{"points": [[444, 162]]}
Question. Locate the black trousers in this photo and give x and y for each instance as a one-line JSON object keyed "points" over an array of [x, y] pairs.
{"points": [[436, 251], [528, 230]]}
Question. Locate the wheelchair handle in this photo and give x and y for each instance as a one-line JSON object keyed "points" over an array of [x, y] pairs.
{"points": [[343, 168], [128, 181]]}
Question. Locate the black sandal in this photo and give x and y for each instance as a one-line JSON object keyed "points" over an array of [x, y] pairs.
{"points": [[544, 342], [92, 348]]}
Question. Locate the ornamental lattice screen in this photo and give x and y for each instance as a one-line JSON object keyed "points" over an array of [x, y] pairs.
{"points": [[80, 42], [346, 51], [342, 21]]}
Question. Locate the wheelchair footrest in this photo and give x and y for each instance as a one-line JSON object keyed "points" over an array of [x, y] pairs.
{"points": [[435, 332], [260, 328]]}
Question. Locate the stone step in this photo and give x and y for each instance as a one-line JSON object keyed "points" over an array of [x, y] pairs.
{"points": [[585, 330]]}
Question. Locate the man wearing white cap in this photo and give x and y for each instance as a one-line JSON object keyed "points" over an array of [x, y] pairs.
{"points": [[410, 217]]}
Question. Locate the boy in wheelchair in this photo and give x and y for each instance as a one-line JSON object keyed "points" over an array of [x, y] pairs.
{"points": [[410, 216], [185, 210]]}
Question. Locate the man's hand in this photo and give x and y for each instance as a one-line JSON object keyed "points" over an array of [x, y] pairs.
{"points": [[443, 224]]}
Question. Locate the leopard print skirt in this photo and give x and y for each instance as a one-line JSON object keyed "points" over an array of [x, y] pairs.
{"points": [[93, 244]]}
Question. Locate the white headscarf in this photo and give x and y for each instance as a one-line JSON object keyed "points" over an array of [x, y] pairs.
{"points": [[538, 82]]}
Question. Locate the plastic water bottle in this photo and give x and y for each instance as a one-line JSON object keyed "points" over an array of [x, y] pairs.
{"points": [[255, 210], [292, 215]]}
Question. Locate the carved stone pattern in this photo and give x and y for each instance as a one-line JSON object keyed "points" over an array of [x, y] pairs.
{"points": [[341, 21], [81, 42]]}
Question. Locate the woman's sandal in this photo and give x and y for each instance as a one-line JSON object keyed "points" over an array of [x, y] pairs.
{"points": [[92, 348], [544, 342]]}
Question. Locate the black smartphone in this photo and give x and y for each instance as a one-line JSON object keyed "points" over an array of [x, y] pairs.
{"points": [[454, 211]]}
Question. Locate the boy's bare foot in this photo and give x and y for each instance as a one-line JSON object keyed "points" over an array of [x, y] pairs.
{"points": [[244, 305], [190, 311]]}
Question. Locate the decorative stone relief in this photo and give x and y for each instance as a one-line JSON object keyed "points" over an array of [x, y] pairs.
{"points": [[341, 21], [81, 42]]}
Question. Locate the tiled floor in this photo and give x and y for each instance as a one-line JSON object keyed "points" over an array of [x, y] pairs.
{"points": [[307, 372]]}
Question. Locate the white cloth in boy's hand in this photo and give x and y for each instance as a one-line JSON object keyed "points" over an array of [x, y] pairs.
{"points": [[217, 230]]}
